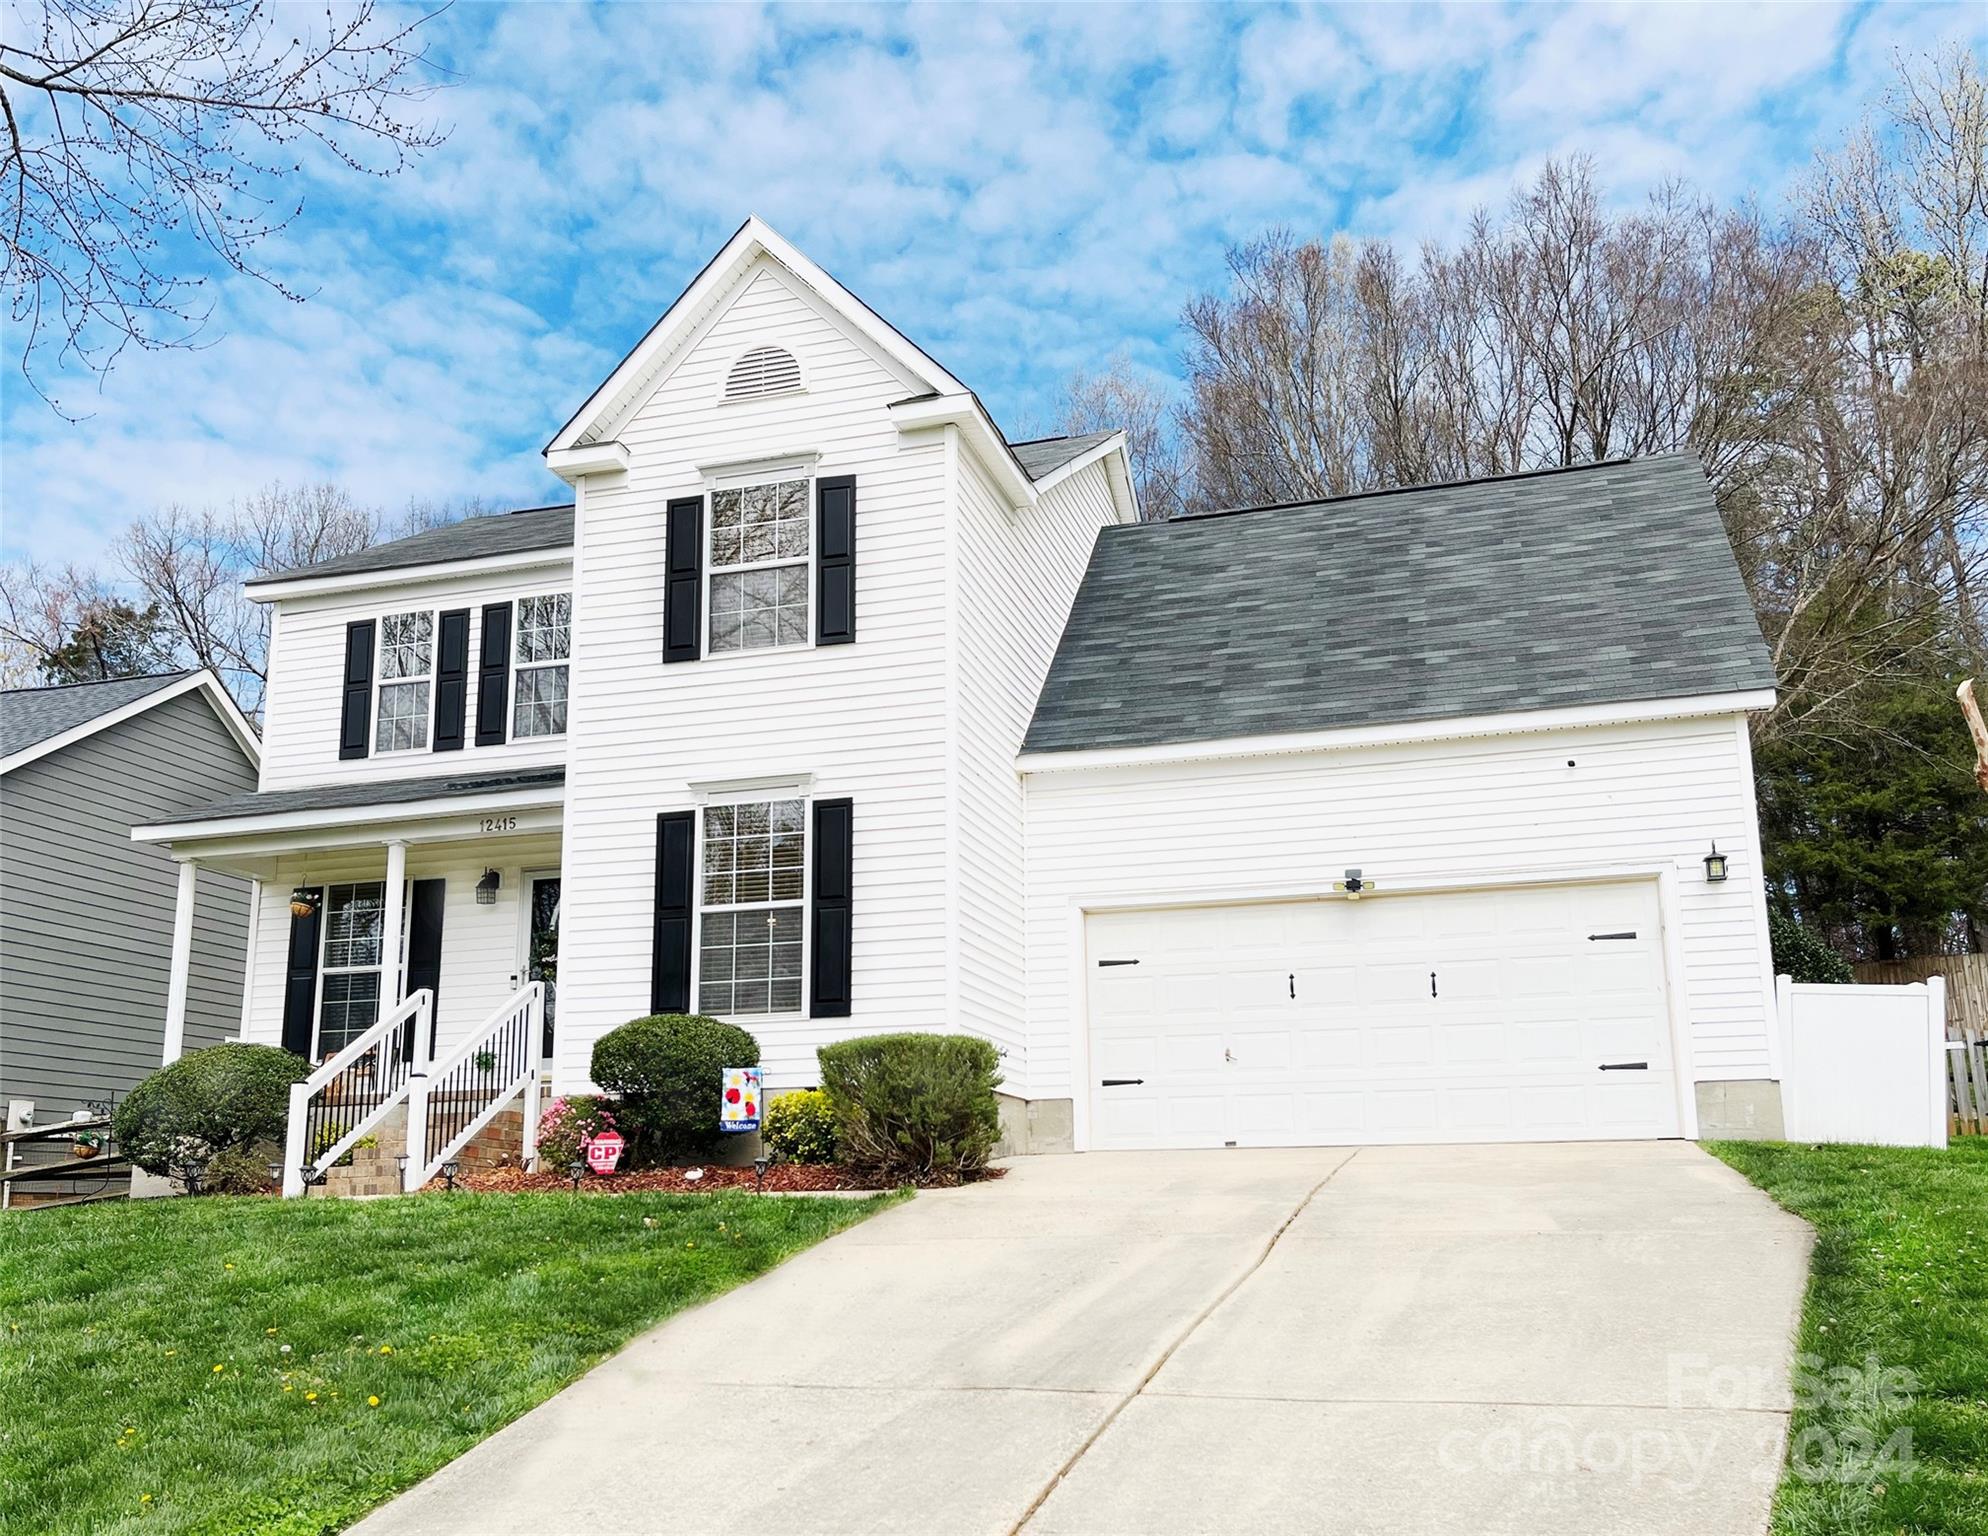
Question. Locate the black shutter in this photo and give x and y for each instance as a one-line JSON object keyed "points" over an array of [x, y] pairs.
{"points": [[676, 869], [424, 937], [493, 676], [834, 872], [683, 579], [452, 681], [300, 977], [355, 714], [835, 553]]}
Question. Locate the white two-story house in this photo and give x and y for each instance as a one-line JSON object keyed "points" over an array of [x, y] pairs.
{"points": [[826, 709]]}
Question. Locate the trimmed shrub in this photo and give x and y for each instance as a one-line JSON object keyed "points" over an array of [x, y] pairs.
{"points": [[181, 1118], [567, 1126], [800, 1127], [667, 1070], [1804, 954], [238, 1171], [914, 1107]]}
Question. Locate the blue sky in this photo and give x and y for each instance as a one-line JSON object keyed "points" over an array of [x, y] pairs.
{"points": [[1022, 190]]}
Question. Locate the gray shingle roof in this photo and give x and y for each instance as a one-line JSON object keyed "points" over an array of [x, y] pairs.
{"points": [[32, 715], [500, 533], [1046, 455], [339, 797], [1602, 584]]}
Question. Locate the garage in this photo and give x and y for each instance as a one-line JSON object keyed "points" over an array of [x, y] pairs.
{"points": [[1516, 1014]]}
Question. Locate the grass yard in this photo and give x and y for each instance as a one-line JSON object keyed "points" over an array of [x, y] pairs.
{"points": [[283, 1366], [1899, 1277]]}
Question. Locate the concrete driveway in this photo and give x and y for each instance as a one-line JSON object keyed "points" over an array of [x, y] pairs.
{"points": [[1528, 1339]]}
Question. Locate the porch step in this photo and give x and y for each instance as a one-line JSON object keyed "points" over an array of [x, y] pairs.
{"points": [[375, 1170]]}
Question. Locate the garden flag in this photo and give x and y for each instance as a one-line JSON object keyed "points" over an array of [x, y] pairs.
{"points": [[738, 1110]]}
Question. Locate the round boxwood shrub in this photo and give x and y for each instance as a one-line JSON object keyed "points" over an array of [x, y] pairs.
{"points": [[916, 1108], [800, 1127], [1802, 953], [667, 1070], [225, 1098]]}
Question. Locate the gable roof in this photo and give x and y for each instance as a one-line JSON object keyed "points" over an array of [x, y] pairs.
{"points": [[473, 538], [1605, 583], [35, 722], [636, 373], [1043, 456]]}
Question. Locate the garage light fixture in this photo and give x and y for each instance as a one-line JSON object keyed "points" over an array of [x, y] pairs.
{"points": [[1353, 885], [1715, 866]]}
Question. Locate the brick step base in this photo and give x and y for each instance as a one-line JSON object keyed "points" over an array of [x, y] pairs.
{"points": [[375, 1170]]}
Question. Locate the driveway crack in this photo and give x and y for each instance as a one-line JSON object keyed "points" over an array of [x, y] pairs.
{"points": [[1181, 1338]]}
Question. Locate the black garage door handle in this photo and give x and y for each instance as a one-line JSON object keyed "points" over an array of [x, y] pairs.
{"points": [[1117, 962], [1119, 1082], [1624, 1066]]}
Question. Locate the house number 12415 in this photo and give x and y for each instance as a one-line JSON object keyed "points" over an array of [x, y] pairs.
{"points": [[500, 823]]}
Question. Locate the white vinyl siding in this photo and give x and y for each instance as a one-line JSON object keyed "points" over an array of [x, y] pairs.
{"points": [[1445, 815], [867, 721], [300, 723], [1018, 574]]}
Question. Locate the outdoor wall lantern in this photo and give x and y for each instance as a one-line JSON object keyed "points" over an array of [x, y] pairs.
{"points": [[1715, 866], [303, 901], [486, 889]]}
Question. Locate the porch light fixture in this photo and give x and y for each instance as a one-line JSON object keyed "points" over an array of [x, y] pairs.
{"points": [[303, 901], [1715, 866], [486, 888]]}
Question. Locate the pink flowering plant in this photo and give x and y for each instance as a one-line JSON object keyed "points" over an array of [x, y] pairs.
{"points": [[568, 1124]]}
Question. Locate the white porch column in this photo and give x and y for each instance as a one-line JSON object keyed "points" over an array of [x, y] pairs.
{"points": [[390, 973], [182, 960]]}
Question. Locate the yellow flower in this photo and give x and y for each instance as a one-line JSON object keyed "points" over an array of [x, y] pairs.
{"points": [[288, 1388], [219, 1369], [144, 1498], [386, 1349], [310, 1397], [170, 1353], [227, 1266], [269, 1333], [372, 1402]]}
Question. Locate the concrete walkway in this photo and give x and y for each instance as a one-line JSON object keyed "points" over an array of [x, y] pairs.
{"points": [[1527, 1339]]}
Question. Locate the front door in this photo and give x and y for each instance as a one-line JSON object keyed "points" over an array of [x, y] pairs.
{"points": [[542, 941]]}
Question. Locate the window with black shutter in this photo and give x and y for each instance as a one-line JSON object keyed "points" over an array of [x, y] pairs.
{"points": [[355, 714], [835, 556]]}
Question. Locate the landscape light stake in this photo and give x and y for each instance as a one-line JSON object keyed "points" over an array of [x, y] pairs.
{"points": [[449, 1173], [576, 1170], [759, 1166]]}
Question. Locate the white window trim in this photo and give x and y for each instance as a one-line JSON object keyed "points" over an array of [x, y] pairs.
{"points": [[381, 682], [752, 794], [511, 699], [763, 474], [725, 396], [378, 967]]}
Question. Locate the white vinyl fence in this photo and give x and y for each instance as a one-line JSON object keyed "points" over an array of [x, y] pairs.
{"points": [[1864, 1063]]}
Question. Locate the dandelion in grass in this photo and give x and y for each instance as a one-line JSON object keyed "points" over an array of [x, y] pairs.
{"points": [[372, 1402], [386, 1349], [219, 1369]]}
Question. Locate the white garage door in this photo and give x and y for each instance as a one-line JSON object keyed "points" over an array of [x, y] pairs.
{"points": [[1529, 1014]]}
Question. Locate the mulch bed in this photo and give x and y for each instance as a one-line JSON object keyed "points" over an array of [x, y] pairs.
{"points": [[796, 1178]]}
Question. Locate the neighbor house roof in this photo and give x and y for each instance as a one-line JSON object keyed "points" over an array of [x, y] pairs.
{"points": [[1599, 584], [29, 716], [473, 538], [363, 795]]}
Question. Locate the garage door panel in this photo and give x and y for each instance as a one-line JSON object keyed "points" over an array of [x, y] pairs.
{"points": [[1528, 1008]]}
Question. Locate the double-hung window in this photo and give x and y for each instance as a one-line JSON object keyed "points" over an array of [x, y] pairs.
{"points": [[760, 564], [350, 966], [754, 879], [542, 650], [407, 667]]}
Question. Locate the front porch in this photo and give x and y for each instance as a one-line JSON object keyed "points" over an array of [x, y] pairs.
{"points": [[430, 907]]}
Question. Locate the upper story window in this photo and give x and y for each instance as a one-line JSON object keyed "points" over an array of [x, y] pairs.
{"points": [[407, 666], [759, 565], [542, 654], [749, 956], [763, 371]]}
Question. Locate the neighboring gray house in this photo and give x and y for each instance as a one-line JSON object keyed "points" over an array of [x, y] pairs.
{"points": [[86, 914]]}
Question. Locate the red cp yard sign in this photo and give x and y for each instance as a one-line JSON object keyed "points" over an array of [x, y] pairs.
{"points": [[604, 1151]]}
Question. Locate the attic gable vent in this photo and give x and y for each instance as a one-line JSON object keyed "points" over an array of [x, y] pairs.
{"points": [[763, 371]]}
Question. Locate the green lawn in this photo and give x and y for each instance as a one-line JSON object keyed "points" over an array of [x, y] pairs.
{"points": [[1899, 1278], [213, 1365]]}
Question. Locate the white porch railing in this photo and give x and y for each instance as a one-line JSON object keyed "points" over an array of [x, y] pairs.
{"points": [[353, 1091], [462, 1093]]}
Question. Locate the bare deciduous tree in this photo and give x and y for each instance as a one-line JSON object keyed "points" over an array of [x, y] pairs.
{"points": [[138, 131], [1122, 399]]}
